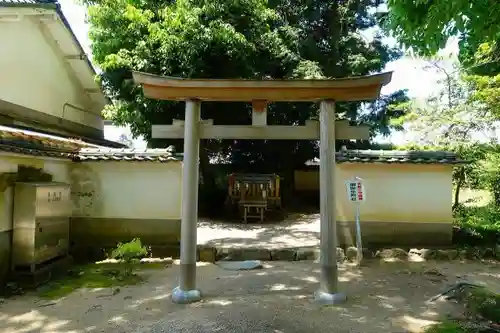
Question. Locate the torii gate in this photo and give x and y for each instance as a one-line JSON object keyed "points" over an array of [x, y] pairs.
{"points": [[259, 93]]}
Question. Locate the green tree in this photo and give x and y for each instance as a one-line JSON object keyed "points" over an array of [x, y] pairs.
{"points": [[237, 39], [427, 25], [451, 120]]}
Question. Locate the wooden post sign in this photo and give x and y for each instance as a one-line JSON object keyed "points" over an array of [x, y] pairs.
{"points": [[356, 194]]}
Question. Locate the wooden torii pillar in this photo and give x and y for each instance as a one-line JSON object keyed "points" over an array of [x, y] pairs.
{"points": [[259, 93]]}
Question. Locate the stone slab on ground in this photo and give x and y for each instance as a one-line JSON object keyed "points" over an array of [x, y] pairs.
{"points": [[240, 265]]}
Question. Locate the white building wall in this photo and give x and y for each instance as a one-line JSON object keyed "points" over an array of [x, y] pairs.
{"points": [[129, 190], [36, 77]]}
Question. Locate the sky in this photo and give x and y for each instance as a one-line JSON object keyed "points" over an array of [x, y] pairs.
{"points": [[407, 73]]}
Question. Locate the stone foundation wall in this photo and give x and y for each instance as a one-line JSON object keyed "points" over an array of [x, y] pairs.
{"points": [[90, 235], [213, 254], [378, 234]]}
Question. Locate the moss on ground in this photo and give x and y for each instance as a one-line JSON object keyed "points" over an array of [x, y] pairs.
{"points": [[446, 327], [102, 275], [482, 313]]}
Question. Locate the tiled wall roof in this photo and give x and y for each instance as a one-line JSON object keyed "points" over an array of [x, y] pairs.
{"points": [[394, 156], [27, 2], [131, 155]]}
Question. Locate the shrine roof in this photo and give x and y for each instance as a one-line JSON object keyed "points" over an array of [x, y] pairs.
{"points": [[243, 90]]}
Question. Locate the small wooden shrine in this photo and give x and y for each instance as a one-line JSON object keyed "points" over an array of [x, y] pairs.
{"points": [[253, 194]]}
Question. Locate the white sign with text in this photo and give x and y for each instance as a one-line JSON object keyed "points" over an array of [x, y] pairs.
{"points": [[355, 191]]}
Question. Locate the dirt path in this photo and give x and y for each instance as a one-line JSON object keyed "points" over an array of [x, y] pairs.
{"points": [[382, 298], [298, 230]]}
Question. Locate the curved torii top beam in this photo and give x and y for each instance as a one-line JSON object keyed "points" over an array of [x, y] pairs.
{"points": [[344, 89]]}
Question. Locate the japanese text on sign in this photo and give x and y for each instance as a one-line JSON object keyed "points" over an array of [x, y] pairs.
{"points": [[355, 191]]}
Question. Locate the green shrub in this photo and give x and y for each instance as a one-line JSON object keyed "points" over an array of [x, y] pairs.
{"points": [[483, 303], [481, 223], [129, 253]]}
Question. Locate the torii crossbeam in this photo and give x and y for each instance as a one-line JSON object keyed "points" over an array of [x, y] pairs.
{"points": [[259, 93]]}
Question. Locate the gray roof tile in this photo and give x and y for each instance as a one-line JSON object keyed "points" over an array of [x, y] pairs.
{"points": [[27, 2], [393, 157], [130, 155]]}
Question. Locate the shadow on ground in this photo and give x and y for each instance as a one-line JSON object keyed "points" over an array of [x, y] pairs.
{"points": [[382, 298], [297, 230]]}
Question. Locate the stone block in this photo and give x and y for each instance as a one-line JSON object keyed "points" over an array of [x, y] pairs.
{"points": [[394, 253], [446, 254], [242, 254], [351, 253], [340, 254], [307, 253], [283, 254], [206, 254], [428, 254]]}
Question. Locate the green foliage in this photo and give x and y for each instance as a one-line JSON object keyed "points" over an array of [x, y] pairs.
{"points": [[426, 25], [490, 167], [445, 327], [252, 39], [486, 92], [483, 304], [130, 251], [477, 225]]}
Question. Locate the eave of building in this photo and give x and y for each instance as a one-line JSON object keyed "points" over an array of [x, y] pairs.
{"points": [[345, 89], [63, 38]]}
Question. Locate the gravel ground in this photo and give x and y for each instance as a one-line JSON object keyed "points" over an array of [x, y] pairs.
{"points": [[388, 297]]}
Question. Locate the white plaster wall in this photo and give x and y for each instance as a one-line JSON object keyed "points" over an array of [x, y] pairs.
{"points": [[394, 193], [35, 77], [398, 193], [58, 169], [133, 190]]}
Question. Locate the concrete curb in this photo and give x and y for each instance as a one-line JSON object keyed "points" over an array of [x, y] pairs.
{"points": [[208, 253]]}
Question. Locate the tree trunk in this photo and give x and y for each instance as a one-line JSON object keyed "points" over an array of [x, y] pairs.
{"points": [[205, 169], [460, 182], [495, 187]]}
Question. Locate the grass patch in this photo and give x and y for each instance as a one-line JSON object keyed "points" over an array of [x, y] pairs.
{"points": [[480, 223], [101, 275], [445, 327], [483, 304]]}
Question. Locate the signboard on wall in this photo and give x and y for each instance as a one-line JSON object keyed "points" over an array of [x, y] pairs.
{"points": [[355, 191]]}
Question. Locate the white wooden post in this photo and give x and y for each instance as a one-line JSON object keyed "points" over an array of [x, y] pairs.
{"points": [[186, 292], [259, 113], [328, 292]]}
